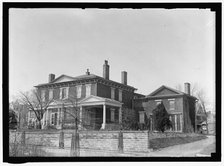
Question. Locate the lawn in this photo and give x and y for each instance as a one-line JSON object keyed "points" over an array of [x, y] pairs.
{"points": [[158, 143]]}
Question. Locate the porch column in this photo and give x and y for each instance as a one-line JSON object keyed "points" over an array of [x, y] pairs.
{"points": [[58, 117], [104, 117], [120, 115], [175, 118], [47, 115], [181, 122], [62, 117], [80, 118]]}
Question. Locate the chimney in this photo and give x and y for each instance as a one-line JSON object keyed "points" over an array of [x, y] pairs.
{"points": [[187, 88], [87, 72], [51, 78], [106, 68], [124, 77]]}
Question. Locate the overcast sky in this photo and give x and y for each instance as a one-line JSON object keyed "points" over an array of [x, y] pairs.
{"points": [[155, 46]]}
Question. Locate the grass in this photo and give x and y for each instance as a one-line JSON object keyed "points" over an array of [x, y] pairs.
{"points": [[159, 143]]}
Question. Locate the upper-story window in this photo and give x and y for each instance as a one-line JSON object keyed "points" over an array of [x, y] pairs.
{"points": [[50, 94], [112, 93], [79, 91], [120, 95], [172, 104], [43, 95], [64, 93], [158, 102], [88, 90]]}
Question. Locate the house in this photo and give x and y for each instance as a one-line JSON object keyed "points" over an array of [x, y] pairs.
{"points": [[179, 105], [98, 102]]}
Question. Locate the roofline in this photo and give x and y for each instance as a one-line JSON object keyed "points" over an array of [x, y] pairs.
{"points": [[81, 79], [163, 86], [167, 96]]}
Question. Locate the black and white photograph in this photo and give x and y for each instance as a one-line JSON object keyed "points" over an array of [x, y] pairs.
{"points": [[112, 82]]}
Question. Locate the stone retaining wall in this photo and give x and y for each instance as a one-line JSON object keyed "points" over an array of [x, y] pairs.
{"points": [[137, 141]]}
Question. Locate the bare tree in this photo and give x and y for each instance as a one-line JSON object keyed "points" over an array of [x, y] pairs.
{"points": [[33, 102], [200, 94]]}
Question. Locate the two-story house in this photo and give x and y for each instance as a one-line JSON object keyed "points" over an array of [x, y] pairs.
{"points": [[179, 105], [98, 101]]}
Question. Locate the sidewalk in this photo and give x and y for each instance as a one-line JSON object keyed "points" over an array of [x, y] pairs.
{"points": [[193, 149]]}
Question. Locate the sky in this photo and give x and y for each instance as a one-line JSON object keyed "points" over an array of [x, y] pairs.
{"points": [[155, 46]]}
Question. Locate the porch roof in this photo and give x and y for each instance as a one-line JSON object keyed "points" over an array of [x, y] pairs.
{"points": [[88, 101], [96, 100]]}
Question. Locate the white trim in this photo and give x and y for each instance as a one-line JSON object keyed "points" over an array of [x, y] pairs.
{"points": [[159, 100], [170, 99]]}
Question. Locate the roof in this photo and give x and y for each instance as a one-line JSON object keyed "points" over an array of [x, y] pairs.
{"points": [[65, 78], [175, 92]]}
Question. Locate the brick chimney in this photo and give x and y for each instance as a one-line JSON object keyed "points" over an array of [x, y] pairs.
{"points": [[87, 72], [187, 88], [106, 69], [124, 77], [51, 78]]}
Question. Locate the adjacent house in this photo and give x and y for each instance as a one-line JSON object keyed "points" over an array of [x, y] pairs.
{"points": [[179, 105], [99, 102]]}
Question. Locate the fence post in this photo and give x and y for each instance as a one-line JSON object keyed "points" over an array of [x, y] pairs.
{"points": [[148, 140], [23, 142], [61, 140], [75, 148], [120, 142]]}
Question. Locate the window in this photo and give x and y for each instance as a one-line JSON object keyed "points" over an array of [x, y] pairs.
{"points": [[176, 122], [120, 95], [50, 94], [142, 117], [54, 118], [172, 104], [64, 93], [112, 115], [158, 102], [43, 95], [88, 90], [79, 91], [112, 93]]}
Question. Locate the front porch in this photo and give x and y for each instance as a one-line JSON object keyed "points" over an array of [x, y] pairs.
{"points": [[100, 113], [93, 112]]}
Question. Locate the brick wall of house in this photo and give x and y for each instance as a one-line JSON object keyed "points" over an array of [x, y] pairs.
{"points": [[150, 104], [72, 91], [189, 114], [105, 91]]}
